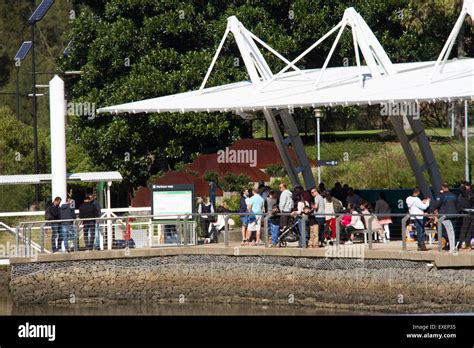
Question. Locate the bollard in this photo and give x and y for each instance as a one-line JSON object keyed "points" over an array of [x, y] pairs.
{"points": [[17, 241], [440, 231], [151, 232], [28, 250], [404, 236], [265, 226], [304, 221], [369, 228], [24, 241], [179, 230], [186, 230], [42, 238], [226, 231], [338, 230], [77, 231]]}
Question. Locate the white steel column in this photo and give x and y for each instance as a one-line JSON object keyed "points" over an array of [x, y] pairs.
{"points": [[319, 150], [57, 112], [109, 214]]}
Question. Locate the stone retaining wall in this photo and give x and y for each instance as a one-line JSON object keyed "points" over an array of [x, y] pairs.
{"points": [[216, 278], [4, 276]]}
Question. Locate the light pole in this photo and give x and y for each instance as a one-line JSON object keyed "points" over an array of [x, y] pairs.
{"points": [[37, 15], [318, 114]]}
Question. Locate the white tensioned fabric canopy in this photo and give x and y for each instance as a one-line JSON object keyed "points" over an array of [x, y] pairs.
{"points": [[339, 86], [379, 81]]}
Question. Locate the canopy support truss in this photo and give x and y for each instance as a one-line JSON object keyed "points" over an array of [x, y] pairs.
{"points": [[259, 71], [467, 9], [429, 162], [364, 39]]}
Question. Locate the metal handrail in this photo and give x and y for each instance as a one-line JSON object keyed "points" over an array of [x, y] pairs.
{"points": [[24, 235]]}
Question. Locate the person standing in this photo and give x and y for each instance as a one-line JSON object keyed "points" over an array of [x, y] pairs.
{"points": [[337, 192], [256, 208], [67, 227], [88, 210], [285, 204], [319, 208], [353, 197], [52, 214], [466, 201], [331, 206], [205, 207], [416, 207], [274, 224], [446, 203], [301, 204], [381, 208], [243, 209]]}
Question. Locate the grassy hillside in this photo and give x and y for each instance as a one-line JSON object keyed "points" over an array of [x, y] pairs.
{"points": [[370, 164]]}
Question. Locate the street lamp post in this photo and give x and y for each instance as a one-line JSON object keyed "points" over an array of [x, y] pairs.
{"points": [[318, 115], [35, 116], [37, 15], [19, 56]]}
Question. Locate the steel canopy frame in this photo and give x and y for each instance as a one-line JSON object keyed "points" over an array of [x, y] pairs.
{"points": [[467, 9], [259, 71]]}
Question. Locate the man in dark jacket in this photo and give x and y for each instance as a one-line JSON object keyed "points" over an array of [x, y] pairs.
{"points": [[67, 227], [52, 214], [88, 210], [466, 201], [446, 203]]}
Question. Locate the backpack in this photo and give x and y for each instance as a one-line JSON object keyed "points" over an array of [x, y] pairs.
{"points": [[337, 204]]}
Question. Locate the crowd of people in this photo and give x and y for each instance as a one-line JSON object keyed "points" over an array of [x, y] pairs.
{"points": [[425, 212], [318, 204], [287, 208], [321, 206], [64, 237]]}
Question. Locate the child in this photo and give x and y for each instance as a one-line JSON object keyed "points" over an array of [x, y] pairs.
{"points": [[275, 225]]}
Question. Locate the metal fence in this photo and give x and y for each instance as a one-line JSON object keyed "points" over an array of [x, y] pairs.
{"points": [[147, 231]]}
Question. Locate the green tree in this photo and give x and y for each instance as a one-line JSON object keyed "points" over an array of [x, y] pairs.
{"points": [[16, 157], [141, 49]]}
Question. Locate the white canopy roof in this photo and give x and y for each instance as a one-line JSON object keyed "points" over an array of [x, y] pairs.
{"points": [[45, 178], [338, 86], [379, 81]]}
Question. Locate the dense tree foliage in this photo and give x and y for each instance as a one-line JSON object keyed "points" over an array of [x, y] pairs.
{"points": [[136, 49]]}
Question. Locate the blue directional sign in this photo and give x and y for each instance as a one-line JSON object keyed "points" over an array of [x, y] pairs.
{"points": [[327, 163]]}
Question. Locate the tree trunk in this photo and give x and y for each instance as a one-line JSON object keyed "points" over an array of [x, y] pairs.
{"points": [[458, 120]]}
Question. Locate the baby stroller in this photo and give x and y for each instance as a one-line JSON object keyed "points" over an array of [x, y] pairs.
{"points": [[289, 233]]}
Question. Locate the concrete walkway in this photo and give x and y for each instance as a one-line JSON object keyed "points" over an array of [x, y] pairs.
{"points": [[392, 250]]}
